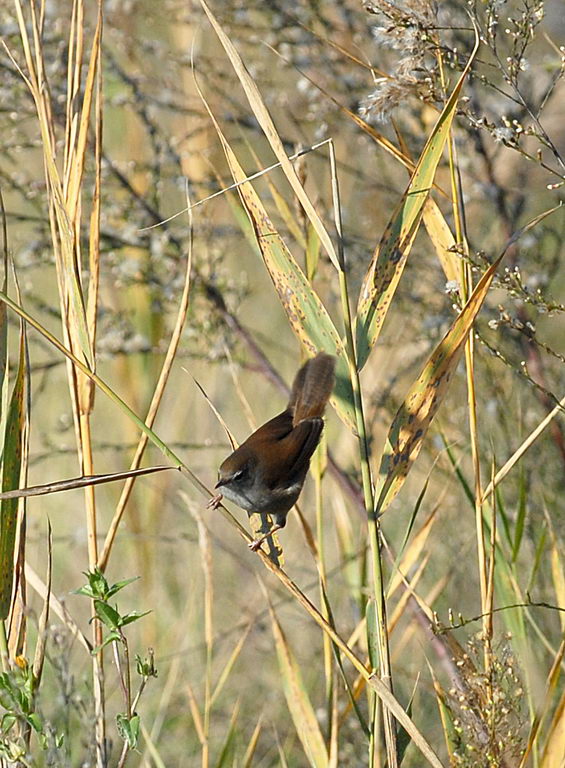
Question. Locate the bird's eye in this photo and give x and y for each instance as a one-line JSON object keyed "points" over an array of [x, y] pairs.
{"points": [[239, 475]]}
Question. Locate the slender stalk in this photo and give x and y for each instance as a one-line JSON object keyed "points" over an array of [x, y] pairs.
{"points": [[318, 467], [372, 521]]}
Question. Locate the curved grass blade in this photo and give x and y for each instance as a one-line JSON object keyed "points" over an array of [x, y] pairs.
{"points": [[411, 423], [389, 258]]}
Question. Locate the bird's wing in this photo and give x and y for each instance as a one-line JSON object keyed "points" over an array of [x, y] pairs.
{"points": [[300, 443]]}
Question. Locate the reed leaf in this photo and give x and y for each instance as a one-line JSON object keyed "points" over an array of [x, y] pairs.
{"points": [[389, 259], [409, 428]]}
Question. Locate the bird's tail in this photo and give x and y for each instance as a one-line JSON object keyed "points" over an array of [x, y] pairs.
{"points": [[312, 388]]}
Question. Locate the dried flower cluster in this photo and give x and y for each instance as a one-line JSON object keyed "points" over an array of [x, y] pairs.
{"points": [[408, 29], [487, 715]]}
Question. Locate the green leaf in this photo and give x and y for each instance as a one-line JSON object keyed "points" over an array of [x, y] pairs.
{"points": [[8, 721], [112, 637], [97, 585], [129, 729], [35, 721], [129, 618], [11, 471], [107, 615], [119, 585]]}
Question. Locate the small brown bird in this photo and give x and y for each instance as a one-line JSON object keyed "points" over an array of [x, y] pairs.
{"points": [[266, 473]]}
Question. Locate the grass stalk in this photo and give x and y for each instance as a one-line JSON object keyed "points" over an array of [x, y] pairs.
{"points": [[368, 496], [317, 466]]}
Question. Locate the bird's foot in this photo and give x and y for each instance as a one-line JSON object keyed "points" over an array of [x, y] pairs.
{"points": [[215, 502], [256, 543]]}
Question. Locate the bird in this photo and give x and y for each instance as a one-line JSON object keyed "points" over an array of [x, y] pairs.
{"points": [[266, 473]]}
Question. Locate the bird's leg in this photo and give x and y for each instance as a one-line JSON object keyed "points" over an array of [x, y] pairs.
{"points": [[215, 502], [256, 543]]}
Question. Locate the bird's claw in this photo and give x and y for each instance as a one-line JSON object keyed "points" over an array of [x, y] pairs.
{"points": [[215, 502]]}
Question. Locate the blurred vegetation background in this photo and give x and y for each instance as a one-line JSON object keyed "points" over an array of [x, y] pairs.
{"points": [[481, 694]]}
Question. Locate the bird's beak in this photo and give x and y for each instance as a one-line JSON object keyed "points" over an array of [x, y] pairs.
{"points": [[220, 483]]}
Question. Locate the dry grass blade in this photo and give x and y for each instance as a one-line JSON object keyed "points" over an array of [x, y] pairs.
{"points": [[252, 746], [557, 572], [554, 749], [79, 482], [283, 207], [195, 712], [76, 153], [409, 591], [205, 548], [226, 671], [409, 428], [442, 239], [410, 555], [526, 444], [227, 755], [151, 748], [298, 701], [217, 414], [265, 121], [389, 259], [68, 267]]}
